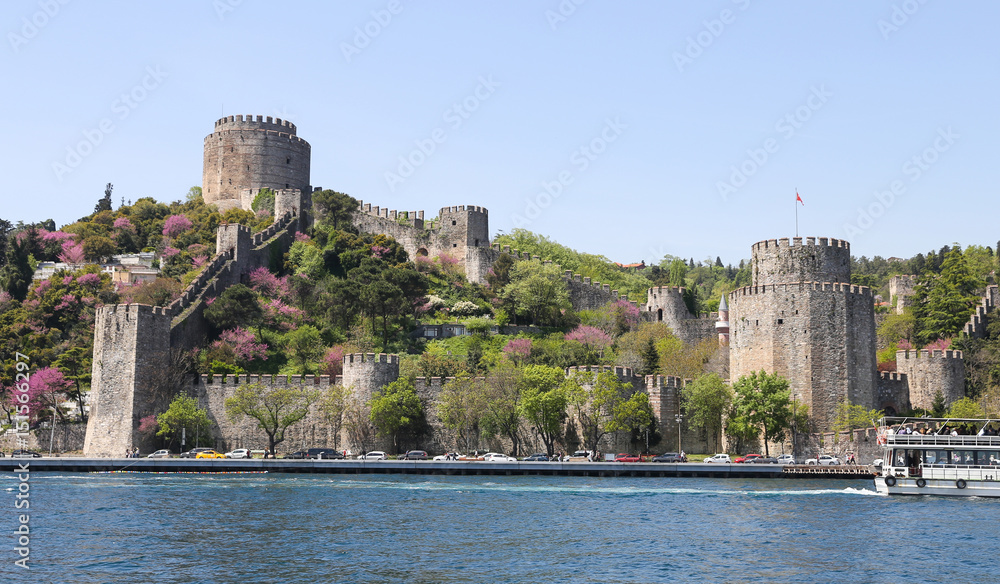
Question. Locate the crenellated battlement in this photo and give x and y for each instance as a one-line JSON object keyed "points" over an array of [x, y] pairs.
{"points": [[135, 310], [218, 135], [976, 326], [387, 358], [412, 218], [926, 354], [666, 291], [785, 242], [892, 376], [260, 238], [619, 371], [248, 122], [660, 382], [462, 209], [840, 287]]}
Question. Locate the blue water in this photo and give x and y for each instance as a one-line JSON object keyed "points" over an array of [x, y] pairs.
{"points": [[392, 528]]}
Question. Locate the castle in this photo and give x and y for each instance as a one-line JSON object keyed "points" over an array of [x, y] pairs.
{"points": [[800, 317]]}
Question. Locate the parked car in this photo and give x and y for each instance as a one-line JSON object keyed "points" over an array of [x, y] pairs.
{"points": [[414, 455], [498, 457], [193, 453], [209, 454], [537, 457], [580, 456], [761, 460], [238, 453], [669, 457], [786, 459], [297, 455], [626, 457], [825, 460], [448, 456], [746, 458], [373, 455], [160, 454], [719, 458], [878, 462], [324, 453], [25, 454]]}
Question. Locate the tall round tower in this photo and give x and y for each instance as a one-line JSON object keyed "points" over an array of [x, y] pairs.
{"points": [[802, 319], [247, 153]]}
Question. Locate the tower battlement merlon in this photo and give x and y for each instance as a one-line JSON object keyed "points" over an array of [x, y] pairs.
{"points": [[261, 122], [903, 355], [786, 242]]}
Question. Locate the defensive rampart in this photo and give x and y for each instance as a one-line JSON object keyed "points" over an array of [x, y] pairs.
{"points": [[928, 372], [816, 259]]}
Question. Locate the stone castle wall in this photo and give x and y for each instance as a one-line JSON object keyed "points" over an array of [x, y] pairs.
{"points": [[976, 327], [247, 153], [460, 231], [819, 336], [901, 289], [131, 351], [928, 372], [817, 259], [893, 393]]}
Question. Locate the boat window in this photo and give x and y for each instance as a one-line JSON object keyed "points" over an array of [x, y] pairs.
{"points": [[935, 457], [987, 457], [899, 458]]}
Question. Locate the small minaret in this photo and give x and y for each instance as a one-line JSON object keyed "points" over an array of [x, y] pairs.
{"points": [[722, 326]]}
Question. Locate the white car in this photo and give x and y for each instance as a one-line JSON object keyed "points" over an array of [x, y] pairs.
{"points": [[373, 455], [786, 459], [721, 458], [238, 453], [878, 462], [497, 457], [160, 454], [447, 456], [825, 460]]}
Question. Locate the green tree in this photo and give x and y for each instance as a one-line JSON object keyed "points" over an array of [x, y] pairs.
{"points": [[104, 203], [263, 201], [678, 272], [543, 402], [461, 408], [650, 358], [965, 408], [396, 409], [333, 208], [599, 404], [333, 405], [763, 402], [237, 306], [274, 408], [304, 346], [706, 401], [938, 405], [852, 417], [76, 365], [194, 195], [537, 291], [98, 248], [943, 303], [502, 405], [633, 415], [15, 276], [184, 414]]}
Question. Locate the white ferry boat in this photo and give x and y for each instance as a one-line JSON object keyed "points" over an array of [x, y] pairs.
{"points": [[939, 456]]}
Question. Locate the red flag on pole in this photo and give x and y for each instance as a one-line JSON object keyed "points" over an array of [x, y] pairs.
{"points": [[799, 199]]}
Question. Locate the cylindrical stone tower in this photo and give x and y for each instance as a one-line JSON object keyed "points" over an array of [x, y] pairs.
{"points": [[803, 320], [244, 153]]}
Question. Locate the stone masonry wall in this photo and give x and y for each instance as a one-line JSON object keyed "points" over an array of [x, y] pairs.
{"points": [[901, 288], [817, 259], [252, 154], [928, 372]]}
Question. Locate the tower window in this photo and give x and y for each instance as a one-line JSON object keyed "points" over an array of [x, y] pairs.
{"points": [[288, 160], [286, 185], [248, 167], [781, 321], [454, 245], [454, 222]]}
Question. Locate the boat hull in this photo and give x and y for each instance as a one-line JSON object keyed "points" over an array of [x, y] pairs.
{"points": [[938, 487]]}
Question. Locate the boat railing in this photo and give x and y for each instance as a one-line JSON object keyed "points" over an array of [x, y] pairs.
{"points": [[946, 440]]}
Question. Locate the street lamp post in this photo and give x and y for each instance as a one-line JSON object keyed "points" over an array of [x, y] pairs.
{"points": [[679, 419]]}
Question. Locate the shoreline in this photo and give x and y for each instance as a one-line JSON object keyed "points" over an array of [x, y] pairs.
{"points": [[584, 469]]}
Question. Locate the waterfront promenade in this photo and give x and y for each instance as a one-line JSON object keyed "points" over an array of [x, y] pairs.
{"points": [[586, 469]]}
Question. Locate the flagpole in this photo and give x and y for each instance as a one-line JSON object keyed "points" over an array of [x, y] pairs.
{"points": [[796, 202]]}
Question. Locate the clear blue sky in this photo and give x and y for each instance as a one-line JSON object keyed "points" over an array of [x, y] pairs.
{"points": [[643, 109]]}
